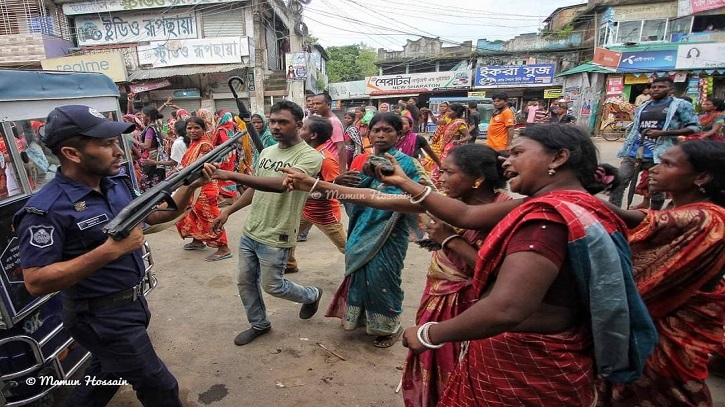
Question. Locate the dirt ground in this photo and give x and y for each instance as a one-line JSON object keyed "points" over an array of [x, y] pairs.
{"points": [[197, 313]]}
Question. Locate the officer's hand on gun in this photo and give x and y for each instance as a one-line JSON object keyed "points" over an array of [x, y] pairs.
{"points": [[132, 242]]}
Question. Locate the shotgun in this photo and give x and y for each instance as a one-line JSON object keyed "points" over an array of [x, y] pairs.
{"points": [[135, 212]]}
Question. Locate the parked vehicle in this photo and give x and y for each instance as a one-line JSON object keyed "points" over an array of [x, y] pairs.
{"points": [[35, 349]]}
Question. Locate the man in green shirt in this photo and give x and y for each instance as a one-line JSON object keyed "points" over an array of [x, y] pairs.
{"points": [[271, 228]]}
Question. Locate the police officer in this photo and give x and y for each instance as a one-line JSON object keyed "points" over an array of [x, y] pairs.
{"points": [[63, 248]]}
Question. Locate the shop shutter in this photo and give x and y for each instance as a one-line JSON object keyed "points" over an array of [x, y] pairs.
{"points": [[271, 38], [227, 20]]}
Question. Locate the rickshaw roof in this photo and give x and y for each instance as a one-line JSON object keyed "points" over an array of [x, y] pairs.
{"points": [[39, 85]]}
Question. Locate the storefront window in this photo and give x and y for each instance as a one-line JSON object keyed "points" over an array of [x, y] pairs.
{"points": [[653, 30], [629, 31]]}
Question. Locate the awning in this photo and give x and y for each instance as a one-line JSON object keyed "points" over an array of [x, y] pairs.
{"points": [[395, 95], [587, 67], [153, 73]]}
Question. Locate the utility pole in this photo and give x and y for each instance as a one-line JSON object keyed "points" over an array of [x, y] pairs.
{"points": [[260, 57]]}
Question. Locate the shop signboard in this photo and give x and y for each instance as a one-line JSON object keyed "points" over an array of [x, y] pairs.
{"points": [[647, 60], [606, 57], [218, 50], [641, 79], [103, 29], [554, 93], [108, 63], [104, 6], [687, 7], [691, 56], [499, 76], [417, 82]]}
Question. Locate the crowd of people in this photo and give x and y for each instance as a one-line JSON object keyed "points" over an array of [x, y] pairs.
{"points": [[556, 298]]}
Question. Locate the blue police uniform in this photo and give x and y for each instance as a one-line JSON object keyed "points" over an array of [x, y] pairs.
{"points": [[105, 312]]}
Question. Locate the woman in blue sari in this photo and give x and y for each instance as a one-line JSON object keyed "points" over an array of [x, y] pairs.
{"points": [[371, 293]]}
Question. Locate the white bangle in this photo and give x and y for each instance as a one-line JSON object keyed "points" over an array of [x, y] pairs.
{"points": [[427, 192], [448, 239], [317, 181], [424, 338]]}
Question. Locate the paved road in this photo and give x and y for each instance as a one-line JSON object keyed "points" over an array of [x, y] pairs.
{"points": [[197, 312]]}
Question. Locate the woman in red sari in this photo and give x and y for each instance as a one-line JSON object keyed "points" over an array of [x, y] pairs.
{"points": [[197, 222], [472, 173], [679, 260], [556, 299]]}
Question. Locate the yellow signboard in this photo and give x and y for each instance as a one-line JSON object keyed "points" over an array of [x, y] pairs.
{"points": [[479, 94], [553, 93], [109, 63], [630, 79]]}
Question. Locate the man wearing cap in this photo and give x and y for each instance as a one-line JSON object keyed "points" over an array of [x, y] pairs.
{"points": [[63, 248]]}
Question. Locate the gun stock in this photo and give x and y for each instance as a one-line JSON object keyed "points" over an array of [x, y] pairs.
{"points": [[135, 212]]}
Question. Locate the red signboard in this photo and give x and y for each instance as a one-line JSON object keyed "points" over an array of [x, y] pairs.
{"points": [[605, 57], [615, 85]]}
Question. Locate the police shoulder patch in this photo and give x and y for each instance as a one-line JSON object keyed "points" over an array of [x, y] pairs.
{"points": [[41, 236]]}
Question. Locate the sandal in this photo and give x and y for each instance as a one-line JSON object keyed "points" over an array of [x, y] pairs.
{"points": [[192, 246], [217, 257], [386, 341]]}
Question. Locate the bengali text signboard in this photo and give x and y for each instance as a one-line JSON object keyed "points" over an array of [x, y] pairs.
{"points": [[219, 50], [417, 82], [102, 6], [105, 29], [496, 76]]}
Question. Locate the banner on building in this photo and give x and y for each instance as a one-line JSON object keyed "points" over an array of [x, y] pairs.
{"points": [[700, 56], [637, 61], [218, 50], [553, 93], [615, 85], [104, 29], [104, 6], [297, 65], [108, 63], [608, 58], [497, 76], [478, 94], [687, 7], [417, 82]]}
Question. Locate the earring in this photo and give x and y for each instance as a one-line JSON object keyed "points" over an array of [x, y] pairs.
{"points": [[701, 188], [552, 171], [476, 184]]}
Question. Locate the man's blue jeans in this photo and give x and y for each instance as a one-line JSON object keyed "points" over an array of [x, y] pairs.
{"points": [[261, 267]]}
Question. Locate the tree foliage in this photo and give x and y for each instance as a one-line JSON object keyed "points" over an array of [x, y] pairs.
{"points": [[351, 62]]}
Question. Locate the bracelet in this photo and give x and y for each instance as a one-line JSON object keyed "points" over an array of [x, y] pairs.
{"points": [[418, 195], [448, 239], [417, 200], [317, 181], [424, 338]]}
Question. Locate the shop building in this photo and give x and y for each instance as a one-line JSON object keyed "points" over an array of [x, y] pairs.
{"points": [[636, 42], [184, 50]]}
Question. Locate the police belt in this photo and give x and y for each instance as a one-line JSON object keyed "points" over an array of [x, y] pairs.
{"points": [[114, 300]]}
